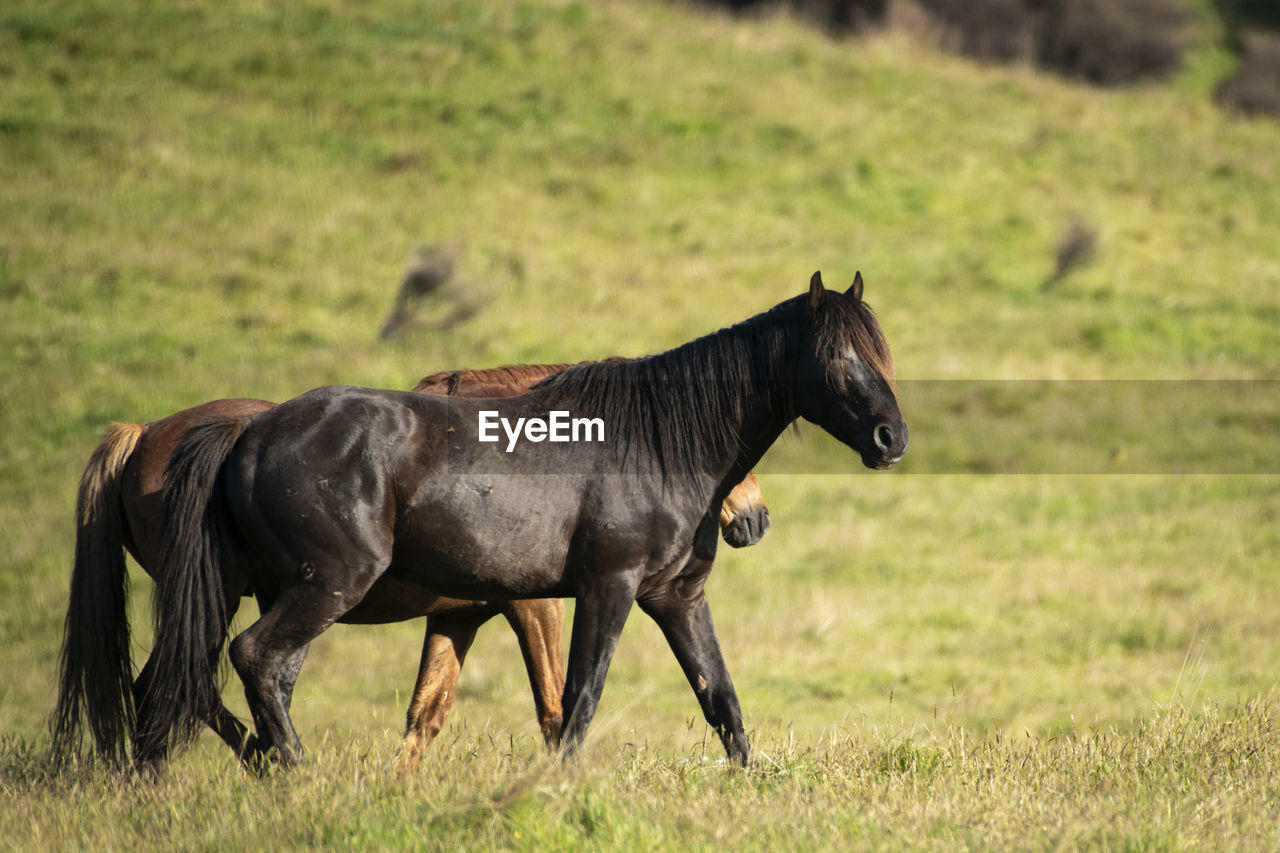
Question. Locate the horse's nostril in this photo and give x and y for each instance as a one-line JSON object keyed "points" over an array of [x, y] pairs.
{"points": [[884, 437]]}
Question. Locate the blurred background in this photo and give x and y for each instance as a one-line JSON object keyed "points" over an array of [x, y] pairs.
{"points": [[206, 200]]}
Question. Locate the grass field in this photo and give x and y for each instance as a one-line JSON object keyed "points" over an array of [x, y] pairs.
{"points": [[200, 201]]}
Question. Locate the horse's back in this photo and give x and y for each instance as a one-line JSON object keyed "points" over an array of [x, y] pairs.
{"points": [[144, 473]]}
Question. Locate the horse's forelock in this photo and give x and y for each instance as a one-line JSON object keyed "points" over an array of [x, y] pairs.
{"points": [[844, 322]]}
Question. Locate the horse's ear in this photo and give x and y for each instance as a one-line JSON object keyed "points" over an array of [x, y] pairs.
{"points": [[815, 289], [855, 289]]}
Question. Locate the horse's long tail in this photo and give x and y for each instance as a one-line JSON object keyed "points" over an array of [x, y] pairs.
{"points": [[191, 612], [95, 668]]}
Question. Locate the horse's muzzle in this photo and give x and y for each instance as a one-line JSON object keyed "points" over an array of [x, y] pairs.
{"points": [[747, 528]]}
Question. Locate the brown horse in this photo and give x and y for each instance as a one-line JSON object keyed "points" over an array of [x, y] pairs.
{"points": [[119, 507]]}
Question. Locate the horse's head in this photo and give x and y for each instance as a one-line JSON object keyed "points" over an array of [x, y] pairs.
{"points": [[845, 378], [743, 516]]}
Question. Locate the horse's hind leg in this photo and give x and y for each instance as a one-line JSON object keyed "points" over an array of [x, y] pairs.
{"points": [[269, 653], [223, 723], [235, 734], [444, 648], [157, 759], [154, 756]]}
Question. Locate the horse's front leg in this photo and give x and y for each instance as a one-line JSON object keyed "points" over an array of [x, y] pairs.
{"points": [[538, 625], [444, 648], [685, 620], [603, 602]]}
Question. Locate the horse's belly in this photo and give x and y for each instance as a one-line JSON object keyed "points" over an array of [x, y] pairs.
{"points": [[392, 600], [500, 570], [499, 537]]}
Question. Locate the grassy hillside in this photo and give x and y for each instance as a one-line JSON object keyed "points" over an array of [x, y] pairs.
{"points": [[203, 201]]}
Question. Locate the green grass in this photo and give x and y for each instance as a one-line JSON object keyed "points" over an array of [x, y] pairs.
{"points": [[203, 201], [1178, 780]]}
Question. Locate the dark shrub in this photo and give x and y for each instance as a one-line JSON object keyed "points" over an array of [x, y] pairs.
{"points": [[837, 17], [990, 30], [1252, 14], [1111, 42], [1108, 42], [841, 17], [1255, 87]]}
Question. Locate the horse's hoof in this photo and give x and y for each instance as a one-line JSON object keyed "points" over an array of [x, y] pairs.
{"points": [[152, 770]]}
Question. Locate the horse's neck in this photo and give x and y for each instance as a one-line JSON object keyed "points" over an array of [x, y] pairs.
{"points": [[758, 436], [757, 408]]}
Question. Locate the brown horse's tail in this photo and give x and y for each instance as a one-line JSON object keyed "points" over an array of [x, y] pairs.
{"points": [[191, 612], [95, 669]]}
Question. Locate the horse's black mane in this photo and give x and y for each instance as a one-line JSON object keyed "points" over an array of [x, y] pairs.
{"points": [[684, 405]]}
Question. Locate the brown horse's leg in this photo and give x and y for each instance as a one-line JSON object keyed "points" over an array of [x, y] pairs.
{"points": [[443, 649], [539, 625]]}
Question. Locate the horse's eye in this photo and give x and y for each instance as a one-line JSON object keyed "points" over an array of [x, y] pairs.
{"points": [[857, 369]]}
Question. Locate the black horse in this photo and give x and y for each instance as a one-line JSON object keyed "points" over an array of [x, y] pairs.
{"points": [[319, 497]]}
